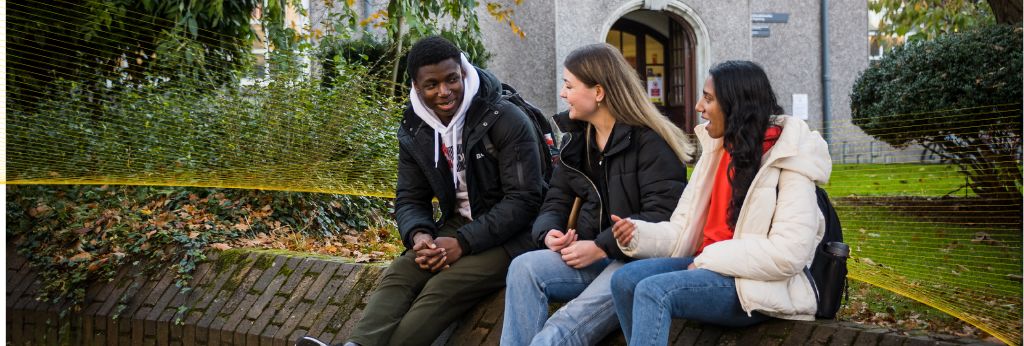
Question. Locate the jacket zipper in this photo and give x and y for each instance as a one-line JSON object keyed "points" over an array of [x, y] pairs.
{"points": [[743, 212], [606, 184], [600, 203], [519, 168]]}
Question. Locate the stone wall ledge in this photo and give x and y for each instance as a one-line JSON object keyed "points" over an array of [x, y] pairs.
{"points": [[263, 297]]}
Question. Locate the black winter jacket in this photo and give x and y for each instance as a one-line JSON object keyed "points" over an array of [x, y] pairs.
{"points": [[505, 189], [644, 180]]}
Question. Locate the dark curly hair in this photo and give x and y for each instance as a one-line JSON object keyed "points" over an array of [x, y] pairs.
{"points": [[749, 104], [429, 51]]}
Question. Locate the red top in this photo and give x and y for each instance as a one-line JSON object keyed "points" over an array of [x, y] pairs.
{"points": [[716, 228]]}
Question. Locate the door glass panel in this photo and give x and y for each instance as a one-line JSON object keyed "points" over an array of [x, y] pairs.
{"points": [[629, 48], [655, 59], [615, 39]]}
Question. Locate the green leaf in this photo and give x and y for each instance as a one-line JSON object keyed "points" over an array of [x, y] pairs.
{"points": [[193, 27]]}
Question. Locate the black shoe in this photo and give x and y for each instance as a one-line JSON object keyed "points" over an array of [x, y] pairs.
{"points": [[310, 341]]}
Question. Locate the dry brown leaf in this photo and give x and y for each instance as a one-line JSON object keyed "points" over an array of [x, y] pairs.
{"points": [[220, 246], [33, 212], [81, 256]]}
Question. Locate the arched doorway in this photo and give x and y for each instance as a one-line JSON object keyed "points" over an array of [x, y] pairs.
{"points": [[662, 48]]}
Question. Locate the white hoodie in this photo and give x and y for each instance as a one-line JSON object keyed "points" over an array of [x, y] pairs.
{"points": [[451, 135]]}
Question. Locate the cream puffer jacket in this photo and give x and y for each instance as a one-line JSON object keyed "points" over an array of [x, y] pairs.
{"points": [[776, 231]]}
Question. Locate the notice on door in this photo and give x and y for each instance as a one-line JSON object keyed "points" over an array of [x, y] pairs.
{"points": [[654, 88], [800, 106]]}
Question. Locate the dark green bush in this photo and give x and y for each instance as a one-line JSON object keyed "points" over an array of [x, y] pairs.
{"points": [[960, 93]]}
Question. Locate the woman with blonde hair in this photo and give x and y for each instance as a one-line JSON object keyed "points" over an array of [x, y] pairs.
{"points": [[620, 158]]}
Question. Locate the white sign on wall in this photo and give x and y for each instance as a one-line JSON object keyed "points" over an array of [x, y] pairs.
{"points": [[800, 106]]}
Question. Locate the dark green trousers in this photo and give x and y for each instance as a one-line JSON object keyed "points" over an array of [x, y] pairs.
{"points": [[412, 306]]}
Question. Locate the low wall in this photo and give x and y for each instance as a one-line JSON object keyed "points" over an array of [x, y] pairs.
{"points": [[270, 298]]}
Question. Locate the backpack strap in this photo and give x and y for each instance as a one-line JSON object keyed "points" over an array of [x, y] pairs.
{"points": [[489, 146]]}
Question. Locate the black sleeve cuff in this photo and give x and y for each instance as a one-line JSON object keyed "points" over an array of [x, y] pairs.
{"points": [[412, 236], [464, 244], [540, 239], [606, 241]]}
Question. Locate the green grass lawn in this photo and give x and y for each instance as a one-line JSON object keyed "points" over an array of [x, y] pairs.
{"points": [[943, 253], [931, 250], [898, 179]]}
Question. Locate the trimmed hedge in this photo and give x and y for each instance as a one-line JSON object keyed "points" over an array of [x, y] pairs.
{"points": [[960, 93]]}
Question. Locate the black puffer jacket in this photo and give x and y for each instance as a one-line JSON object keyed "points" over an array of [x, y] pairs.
{"points": [[505, 192], [644, 180]]}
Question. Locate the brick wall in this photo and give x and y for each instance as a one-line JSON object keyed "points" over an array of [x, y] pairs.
{"points": [[264, 298]]}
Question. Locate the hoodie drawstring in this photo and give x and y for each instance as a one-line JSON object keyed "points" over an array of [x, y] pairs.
{"points": [[455, 155], [452, 157]]}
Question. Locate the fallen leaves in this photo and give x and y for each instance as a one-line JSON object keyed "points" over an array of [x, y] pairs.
{"points": [[371, 245], [84, 235], [81, 256], [220, 246], [39, 210], [882, 309]]}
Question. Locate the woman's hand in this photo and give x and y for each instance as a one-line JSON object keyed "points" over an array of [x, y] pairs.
{"points": [[556, 240], [582, 253], [623, 230]]}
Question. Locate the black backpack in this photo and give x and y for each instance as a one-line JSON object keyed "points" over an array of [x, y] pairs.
{"points": [[542, 128], [827, 272]]}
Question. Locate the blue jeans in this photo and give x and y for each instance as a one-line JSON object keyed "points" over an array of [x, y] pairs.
{"points": [[540, 276], [649, 293]]}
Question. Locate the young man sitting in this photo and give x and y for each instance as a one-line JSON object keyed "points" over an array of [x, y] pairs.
{"points": [[461, 143]]}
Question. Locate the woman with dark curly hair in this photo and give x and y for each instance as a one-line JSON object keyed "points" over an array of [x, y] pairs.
{"points": [[737, 247]]}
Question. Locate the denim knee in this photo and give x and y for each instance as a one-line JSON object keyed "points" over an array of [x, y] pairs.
{"points": [[647, 289], [624, 282], [523, 266]]}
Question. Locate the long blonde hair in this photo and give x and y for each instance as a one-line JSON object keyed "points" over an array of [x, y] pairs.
{"points": [[625, 96]]}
